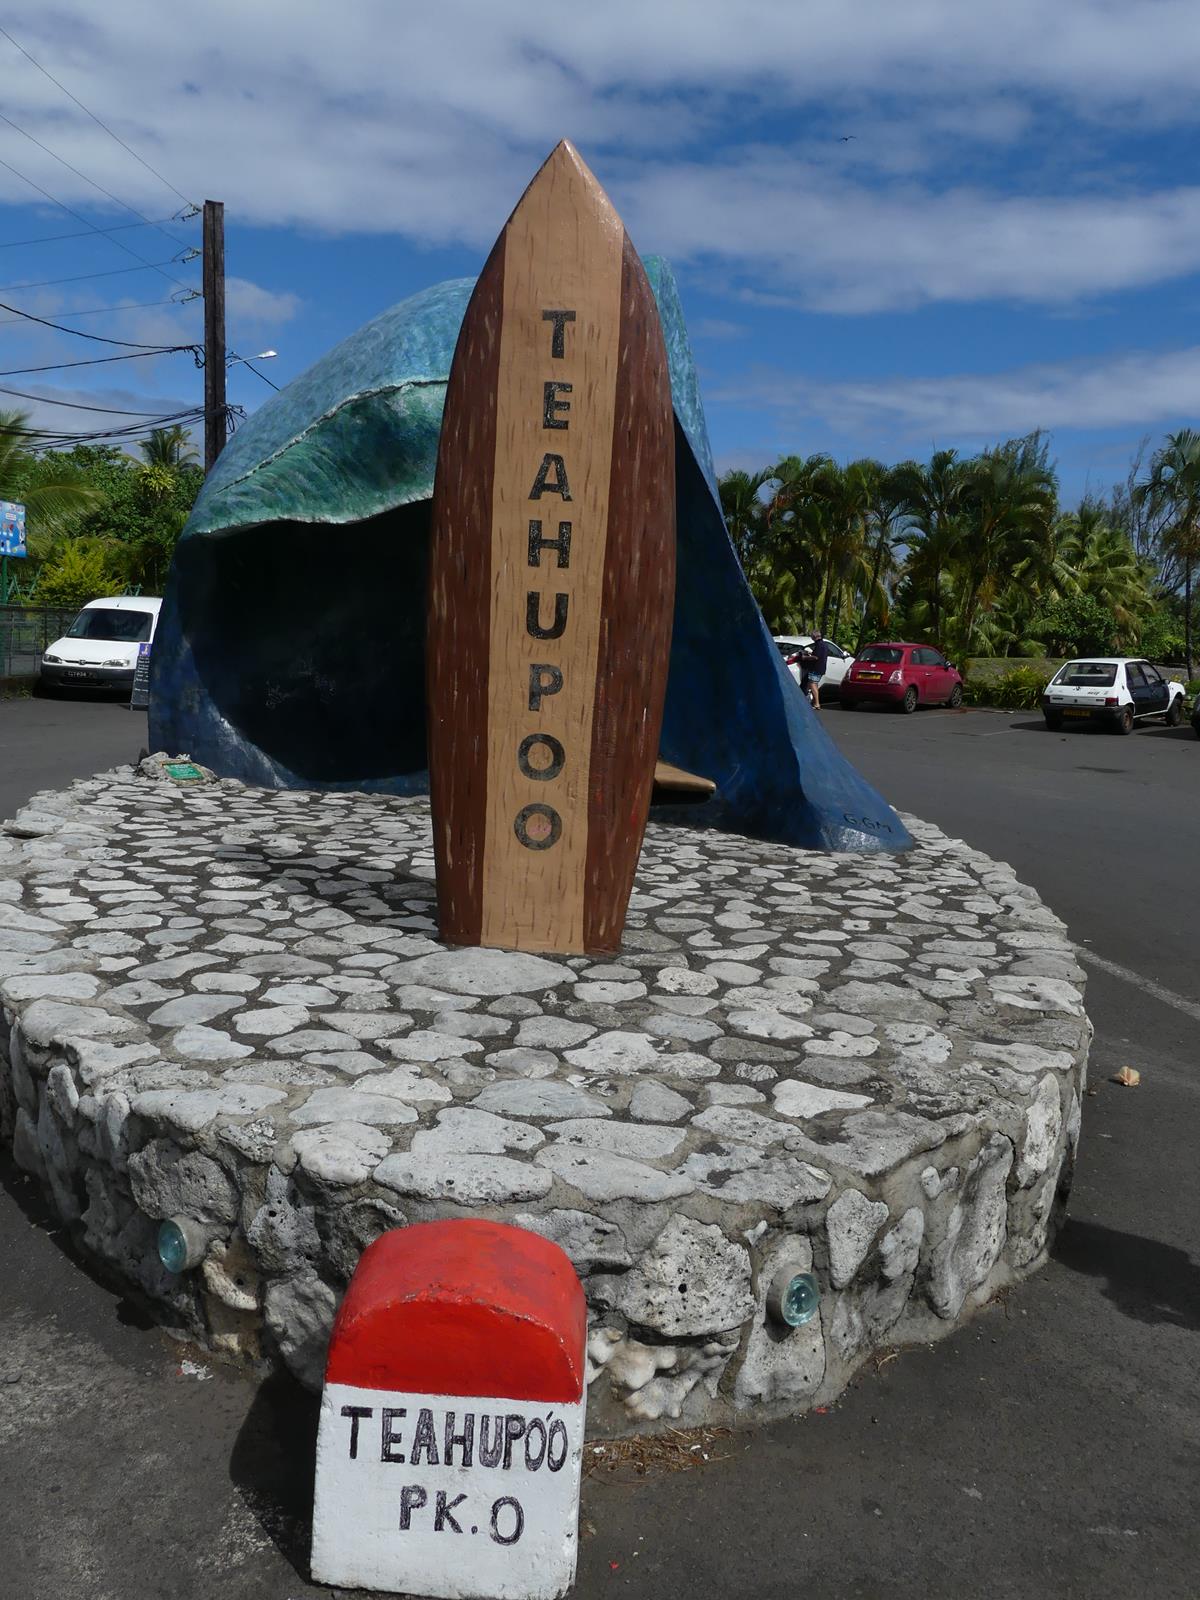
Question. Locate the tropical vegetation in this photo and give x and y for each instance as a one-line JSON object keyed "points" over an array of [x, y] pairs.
{"points": [[98, 522], [975, 553]]}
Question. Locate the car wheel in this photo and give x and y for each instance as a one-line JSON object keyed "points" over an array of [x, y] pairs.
{"points": [[909, 704], [1124, 722], [42, 690], [955, 699], [1174, 714], [1053, 721]]}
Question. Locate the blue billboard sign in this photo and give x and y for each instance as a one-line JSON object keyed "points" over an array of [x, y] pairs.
{"points": [[12, 528]]}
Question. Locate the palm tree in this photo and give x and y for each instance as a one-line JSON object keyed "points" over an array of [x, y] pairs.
{"points": [[1004, 628], [168, 447], [888, 517], [843, 496], [797, 532], [1010, 502], [52, 506], [745, 513], [775, 591], [1174, 485], [932, 497], [1099, 560]]}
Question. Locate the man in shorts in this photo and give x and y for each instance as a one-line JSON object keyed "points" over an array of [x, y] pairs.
{"points": [[812, 668]]}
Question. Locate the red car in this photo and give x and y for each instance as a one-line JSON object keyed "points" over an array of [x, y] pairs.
{"points": [[903, 676]]}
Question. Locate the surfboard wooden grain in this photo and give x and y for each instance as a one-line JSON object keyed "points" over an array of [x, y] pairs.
{"points": [[552, 579]]}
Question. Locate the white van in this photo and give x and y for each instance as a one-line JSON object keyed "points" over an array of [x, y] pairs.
{"points": [[100, 648]]}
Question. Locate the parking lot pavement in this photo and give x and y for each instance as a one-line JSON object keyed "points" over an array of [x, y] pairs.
{"points": [[1048, 1451], [46, 743], [1105, 828]]}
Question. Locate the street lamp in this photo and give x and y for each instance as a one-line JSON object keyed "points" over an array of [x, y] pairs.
{"points": [[263, 355]]}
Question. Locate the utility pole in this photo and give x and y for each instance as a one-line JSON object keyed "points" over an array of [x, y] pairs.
{"points": [[215, 418]]}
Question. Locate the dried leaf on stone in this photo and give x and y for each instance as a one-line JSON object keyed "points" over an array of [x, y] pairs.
{"points": [[1128, 1077]]}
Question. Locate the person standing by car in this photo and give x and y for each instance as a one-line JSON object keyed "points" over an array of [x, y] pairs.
{"points": [[812, 669]]}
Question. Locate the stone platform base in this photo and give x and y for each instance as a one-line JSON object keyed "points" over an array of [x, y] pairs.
{"points": [[230, 1006]]}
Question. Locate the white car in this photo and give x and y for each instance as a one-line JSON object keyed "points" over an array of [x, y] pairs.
{"points": [[1116, 691], [100, 648], [793, 644]]}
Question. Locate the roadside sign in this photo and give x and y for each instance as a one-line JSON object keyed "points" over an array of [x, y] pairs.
{"points": [[140, 697], [451, 1431], [12, 528]]}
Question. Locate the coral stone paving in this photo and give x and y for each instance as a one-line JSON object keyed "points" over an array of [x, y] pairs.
{"points": [[230, 1005]]}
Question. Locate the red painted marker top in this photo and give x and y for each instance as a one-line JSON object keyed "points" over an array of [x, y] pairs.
{"points": [[462, 1308]]}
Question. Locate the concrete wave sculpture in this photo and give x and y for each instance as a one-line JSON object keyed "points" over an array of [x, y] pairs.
{"points": [[290, 651]]}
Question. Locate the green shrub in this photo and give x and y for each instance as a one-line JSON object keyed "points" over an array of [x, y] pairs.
{"points": [[1018, 690], [1077, 625], [1161, 638], [987, 669], [77, 572]]}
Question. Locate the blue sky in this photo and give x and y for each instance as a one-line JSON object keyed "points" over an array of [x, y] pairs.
{"points": [[895, 228]]}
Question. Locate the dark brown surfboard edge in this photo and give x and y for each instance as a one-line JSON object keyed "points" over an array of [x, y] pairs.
{"points": [[636, 615], [459, 610]]}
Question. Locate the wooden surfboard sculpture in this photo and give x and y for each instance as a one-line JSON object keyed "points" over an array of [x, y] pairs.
{"points": [[552, 579]]}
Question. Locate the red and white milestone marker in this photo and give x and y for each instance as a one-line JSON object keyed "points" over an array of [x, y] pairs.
{"points": [[451, 1432]]}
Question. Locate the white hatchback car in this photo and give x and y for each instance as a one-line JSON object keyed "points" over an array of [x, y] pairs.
{"points": [[1116, 691], [793, 644]]}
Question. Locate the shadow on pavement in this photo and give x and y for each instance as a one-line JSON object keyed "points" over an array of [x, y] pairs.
{"points": [[1146, 730], [1145, 1280], [1068, 730], [273, 1463], [337, 881], [37, 1211]]}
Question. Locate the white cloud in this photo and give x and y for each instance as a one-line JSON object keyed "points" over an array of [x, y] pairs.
{"points": [[838, 246], [743, 459], [389, 116], [1134, 388], [717, 328], [247, 302]]}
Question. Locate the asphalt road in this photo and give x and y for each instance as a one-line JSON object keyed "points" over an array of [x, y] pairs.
{"points": [[1050, 1449]]}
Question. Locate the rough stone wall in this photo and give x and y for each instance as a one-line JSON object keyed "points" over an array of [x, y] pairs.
{"points": [[230, 1005]]}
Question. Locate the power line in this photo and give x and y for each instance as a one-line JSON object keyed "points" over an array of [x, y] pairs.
{"points": [[95, 118], [82, 277], [87, 222], [67, 441], [96, 338], [53, 238], [191, 413], [119, 428], [99, 187], [46, 439], [257, 373], [100, 361], [98, 311], [75, 405]]}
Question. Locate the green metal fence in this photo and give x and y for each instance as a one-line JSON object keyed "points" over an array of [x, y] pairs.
{"points": [[26, 632]]}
